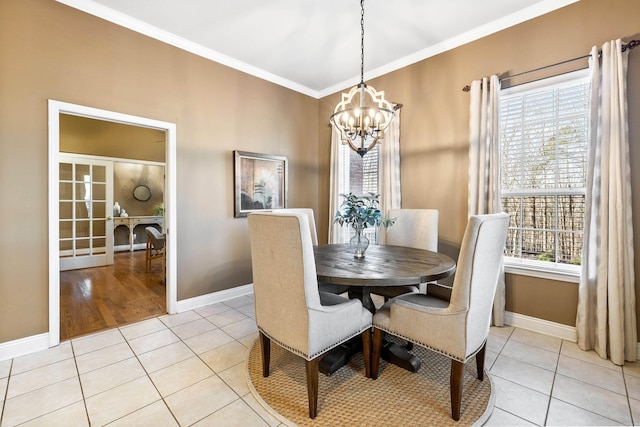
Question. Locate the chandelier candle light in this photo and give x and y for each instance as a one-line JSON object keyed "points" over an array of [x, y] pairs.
{"points": [[363, 114]]}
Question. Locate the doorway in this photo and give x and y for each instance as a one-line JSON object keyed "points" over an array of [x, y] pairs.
{"points": [[56, 109]]}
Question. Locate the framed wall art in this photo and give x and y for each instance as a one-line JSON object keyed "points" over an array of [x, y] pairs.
{"points": [[260, 182]]}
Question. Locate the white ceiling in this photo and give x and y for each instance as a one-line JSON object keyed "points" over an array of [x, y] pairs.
{"points": [[313, 46]]}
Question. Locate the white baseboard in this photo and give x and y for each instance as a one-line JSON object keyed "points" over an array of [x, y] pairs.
{"points": [[213, 298], [545, 327], [22, 346]]}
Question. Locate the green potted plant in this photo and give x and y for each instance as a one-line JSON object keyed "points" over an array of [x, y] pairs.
{"points": [[360, 213]]}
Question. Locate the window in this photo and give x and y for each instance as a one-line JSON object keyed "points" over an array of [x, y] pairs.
{"points": [[359, 175], [544, 129]]}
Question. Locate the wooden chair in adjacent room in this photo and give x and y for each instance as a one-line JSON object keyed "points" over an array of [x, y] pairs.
{"points": [[290, 310], [457, 328], [155, 247]]}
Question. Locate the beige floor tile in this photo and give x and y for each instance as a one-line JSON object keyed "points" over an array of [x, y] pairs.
{"points": [[180, 375], [520, 401], [142, 328], [40, 402], [173, 320], [208, 341], [157, 415], [635, 410], [239, 301], [595, 399], [571, 349], [522, 373], [236, 414], [565, 414], [536, 356], [536, 340], [202, 399], [501, 331], [103, 357], [4, 382], [212, 309], [165, 356], [42, 358], [248, 310], [495, 343], [241, 329], [110, 376], [629, 368], [489, 359], [5, 368], [261, 411], [226, 318], [96, 342], [633, 386], [248, 340], [592, 374], [153, 341], [236, 378], [73, 415], [41, 377], [225, 357], [191, 329], [500, 418], [120, 401]]}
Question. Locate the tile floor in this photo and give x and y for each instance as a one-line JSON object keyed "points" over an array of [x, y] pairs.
{"points": [[188, 369]]}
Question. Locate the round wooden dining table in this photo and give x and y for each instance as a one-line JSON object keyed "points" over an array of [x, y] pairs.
{"points": [[382, 265]]}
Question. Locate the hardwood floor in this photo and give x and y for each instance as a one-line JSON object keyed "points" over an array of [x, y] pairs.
{"points": [[99, 298]]}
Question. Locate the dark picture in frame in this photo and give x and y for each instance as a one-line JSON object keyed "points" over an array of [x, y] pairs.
{"points": [[260, 182]]}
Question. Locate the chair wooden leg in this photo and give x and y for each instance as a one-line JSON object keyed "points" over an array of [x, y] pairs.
{"points": [[147, 260], [366, 351], [265, 345], [312, 386], [378, 336], [455, 384], [480, 361]]}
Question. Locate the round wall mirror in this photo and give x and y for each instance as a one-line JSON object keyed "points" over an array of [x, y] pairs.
{"points": [[142, 193]]}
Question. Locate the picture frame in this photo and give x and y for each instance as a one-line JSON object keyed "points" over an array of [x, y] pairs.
{"points": [[260, 182]]}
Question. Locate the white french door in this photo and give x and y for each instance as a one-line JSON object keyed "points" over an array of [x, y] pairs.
{"points": [[85, 212]]}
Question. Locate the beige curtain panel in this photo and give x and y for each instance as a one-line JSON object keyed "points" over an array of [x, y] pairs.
{"points": [[606, 319]]}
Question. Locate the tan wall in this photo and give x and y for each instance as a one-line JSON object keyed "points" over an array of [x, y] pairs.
{"points": [[435, 123], [51, 51]]}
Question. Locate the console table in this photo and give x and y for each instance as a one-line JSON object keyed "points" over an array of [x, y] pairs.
{"points": [[130, 222]]}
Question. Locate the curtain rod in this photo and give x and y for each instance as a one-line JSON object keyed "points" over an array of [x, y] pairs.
{"points": [[632, 44]]}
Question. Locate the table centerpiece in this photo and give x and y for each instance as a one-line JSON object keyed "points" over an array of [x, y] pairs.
{"points": [[360, 213]]}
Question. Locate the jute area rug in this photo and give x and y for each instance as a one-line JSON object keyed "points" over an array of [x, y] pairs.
{"points": [[348, 398]]}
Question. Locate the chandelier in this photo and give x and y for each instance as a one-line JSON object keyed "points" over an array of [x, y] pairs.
{"points": [[363, 114]]}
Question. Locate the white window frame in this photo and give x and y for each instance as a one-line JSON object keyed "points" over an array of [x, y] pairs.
{"points": [[534, 268]]}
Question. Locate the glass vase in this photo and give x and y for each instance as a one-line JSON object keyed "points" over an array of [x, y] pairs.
{"points": [[359, 243]]}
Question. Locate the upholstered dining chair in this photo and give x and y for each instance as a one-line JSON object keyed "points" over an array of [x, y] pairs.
{"points": [[415, 228], [324, 287], [155, 247], [290, 310], [457, 328]]}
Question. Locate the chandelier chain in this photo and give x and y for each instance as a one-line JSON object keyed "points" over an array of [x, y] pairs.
{"points": [[361, 41]]}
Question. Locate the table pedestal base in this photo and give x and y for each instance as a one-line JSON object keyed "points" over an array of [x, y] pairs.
{"points": [[391, 352]]}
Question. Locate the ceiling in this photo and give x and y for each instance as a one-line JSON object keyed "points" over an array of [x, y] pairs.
{"points": [[313, 46]]}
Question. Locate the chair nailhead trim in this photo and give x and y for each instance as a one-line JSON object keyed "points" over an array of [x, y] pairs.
{"points": [[316, 354]]}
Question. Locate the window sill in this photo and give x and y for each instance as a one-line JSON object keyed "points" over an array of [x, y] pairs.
{"points": [[564, 273]]}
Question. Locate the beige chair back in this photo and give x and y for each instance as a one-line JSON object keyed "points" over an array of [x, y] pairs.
{"points": [[284, 276], [479, 264], [312, 222], [415, 228]]}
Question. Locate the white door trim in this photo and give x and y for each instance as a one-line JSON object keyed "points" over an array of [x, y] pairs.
{"points": [[57, 107]]}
